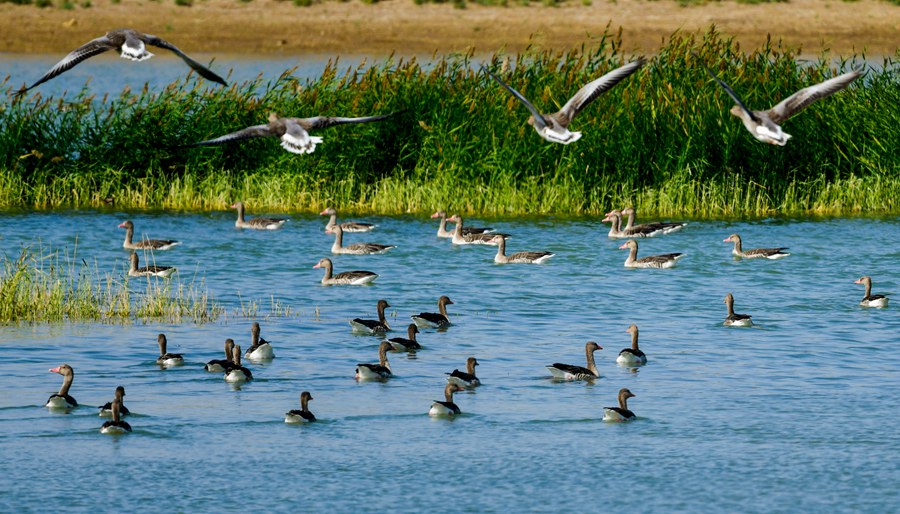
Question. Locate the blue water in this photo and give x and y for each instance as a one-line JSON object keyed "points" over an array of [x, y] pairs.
{"points": [[798, 414]]}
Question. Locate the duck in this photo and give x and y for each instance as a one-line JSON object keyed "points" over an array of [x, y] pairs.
{"points": [[878, 301], [145, 244], [256, 223], [648, 229], [518, 257], [237, 374], [221, 365], [570, 372], [347, 226], [735, 320], [446, 407], [408, 343], [620, 413], [106, 408], [434, 320], [555, 127], [380, 371], [131, 44], [465, 378], [116, 426], [62, 400], [632, 356], [373, 326], [165, 358], [260, 349], [756, 253], [765, 125], [355, 248], [353, 278], [148, 271], [460, 237], [666, 260], [447, 234], [303, 415]]}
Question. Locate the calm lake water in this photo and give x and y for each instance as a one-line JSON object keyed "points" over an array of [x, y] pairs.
{"points": [[798, 414]]}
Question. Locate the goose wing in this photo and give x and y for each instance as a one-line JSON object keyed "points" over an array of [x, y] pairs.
{"points": [[593, 89], [801, 99], [85, 51], [539, 121], [765, 251], [320, 122], [202, 70], [731, 93], [240, 135]]}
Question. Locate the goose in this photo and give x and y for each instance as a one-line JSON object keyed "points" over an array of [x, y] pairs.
{"points": [[632, 356], [666, 260], [165, 358], [756, 253], [355, 248], [380, 371], [116, 426], [620, 413], [148, 271], [447, 234], [260, 349], [347, 226], [648, 229], [303, 415], [62, 400], [353, 278], [570, 372], [408, 343], [465, 378], [446, 407], [106, 408], [145, 244], [132, 45], [460, 237], [372, 326], [255, 223], [555, 127], [293, 132], [871, 300], [765, 125], [434, 320], [518, 257], [614, 218], [236, 373], [221, 365], [735, 320]]}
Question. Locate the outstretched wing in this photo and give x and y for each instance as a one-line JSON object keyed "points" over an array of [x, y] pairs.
{"points": [[85, 51], [730, 92], [320, 122], [539, 121], [203, 71], [240, 135], [799, 100], [593, 89]]}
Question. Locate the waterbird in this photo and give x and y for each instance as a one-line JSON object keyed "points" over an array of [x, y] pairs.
{"points": [[144, 244], [871, 300], [303, 415], [465, 378], [620, 413], [353, 278], [632, 356], [221, 365], [355, 248], [434, 319], [62, 400], [116, 426], [735, 320], [408, 343], [444, 233], [106, 410], [666, 260], [260, 349], [347, 226], [461, 237], [237, 373], [755, 253], [165, 358], [380, 371], [648, 229], [259, 223], [148, 271], [571, 372], [446, 407], [518, 257], [372, 326]]}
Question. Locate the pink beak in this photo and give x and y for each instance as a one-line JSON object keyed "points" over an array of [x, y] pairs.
{"points": [[607, 218], [727, 240], [314, 267], [234, 206], [54, 370], [624, 246], [122, 225], [435, 215], [323, 212]]}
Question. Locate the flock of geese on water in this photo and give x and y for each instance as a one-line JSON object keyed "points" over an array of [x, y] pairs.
{"points": [[262, 350]]}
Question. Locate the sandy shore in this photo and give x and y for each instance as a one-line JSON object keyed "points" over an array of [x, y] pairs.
{"points": [[268, 26]]}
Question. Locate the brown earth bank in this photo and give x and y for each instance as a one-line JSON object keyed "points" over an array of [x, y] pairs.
{"points": [[273, 27]]}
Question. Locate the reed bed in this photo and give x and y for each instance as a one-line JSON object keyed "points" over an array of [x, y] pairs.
{"points": [[662, 140]]}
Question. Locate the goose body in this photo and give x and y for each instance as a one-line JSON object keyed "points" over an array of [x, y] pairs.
{"points": [[667, 260], [260, 349], [571, 372], [237, 374], [144, 244], [755, 253], [355, 248], [877, 301], [446, 407], [106, 410], [372, 326], [466, 378], [116, 426], [62, 399], [352, 278], [648, 229], [380, 371], [165, 358], [406, 344], [735, 320], [148, 271], [258, 223], [518, 257], [447, 234], [222, 365], [620, 413], [459, 235], [434, 319], [303, 415], [347, 226], [632, 356]]}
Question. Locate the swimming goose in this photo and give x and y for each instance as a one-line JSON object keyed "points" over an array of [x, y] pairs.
{"points": [[434, 320], [116, 426], [165, 358], [220, 365], [131, 44], [555, 127], [303, 415], [666, 260], [260, 349], [735, 320], [765, 125], [460, 237], [293, 132], [355, 248], [237, 373], [347, 226], [648, 229], [518, 257], [255, 223], [570, 372], [62, 400], [353, 278], [106, 408], [444, 233], [614, 218], [145, 244], [632, 356], [148, 271], [446, 407], [372, 326], [380, 371], [756, 253], [465, 378], [408, 343], [620, 413], [871, 300]]}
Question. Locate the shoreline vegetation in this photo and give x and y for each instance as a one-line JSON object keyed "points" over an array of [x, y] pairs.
{"points": [[662, 141]]}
